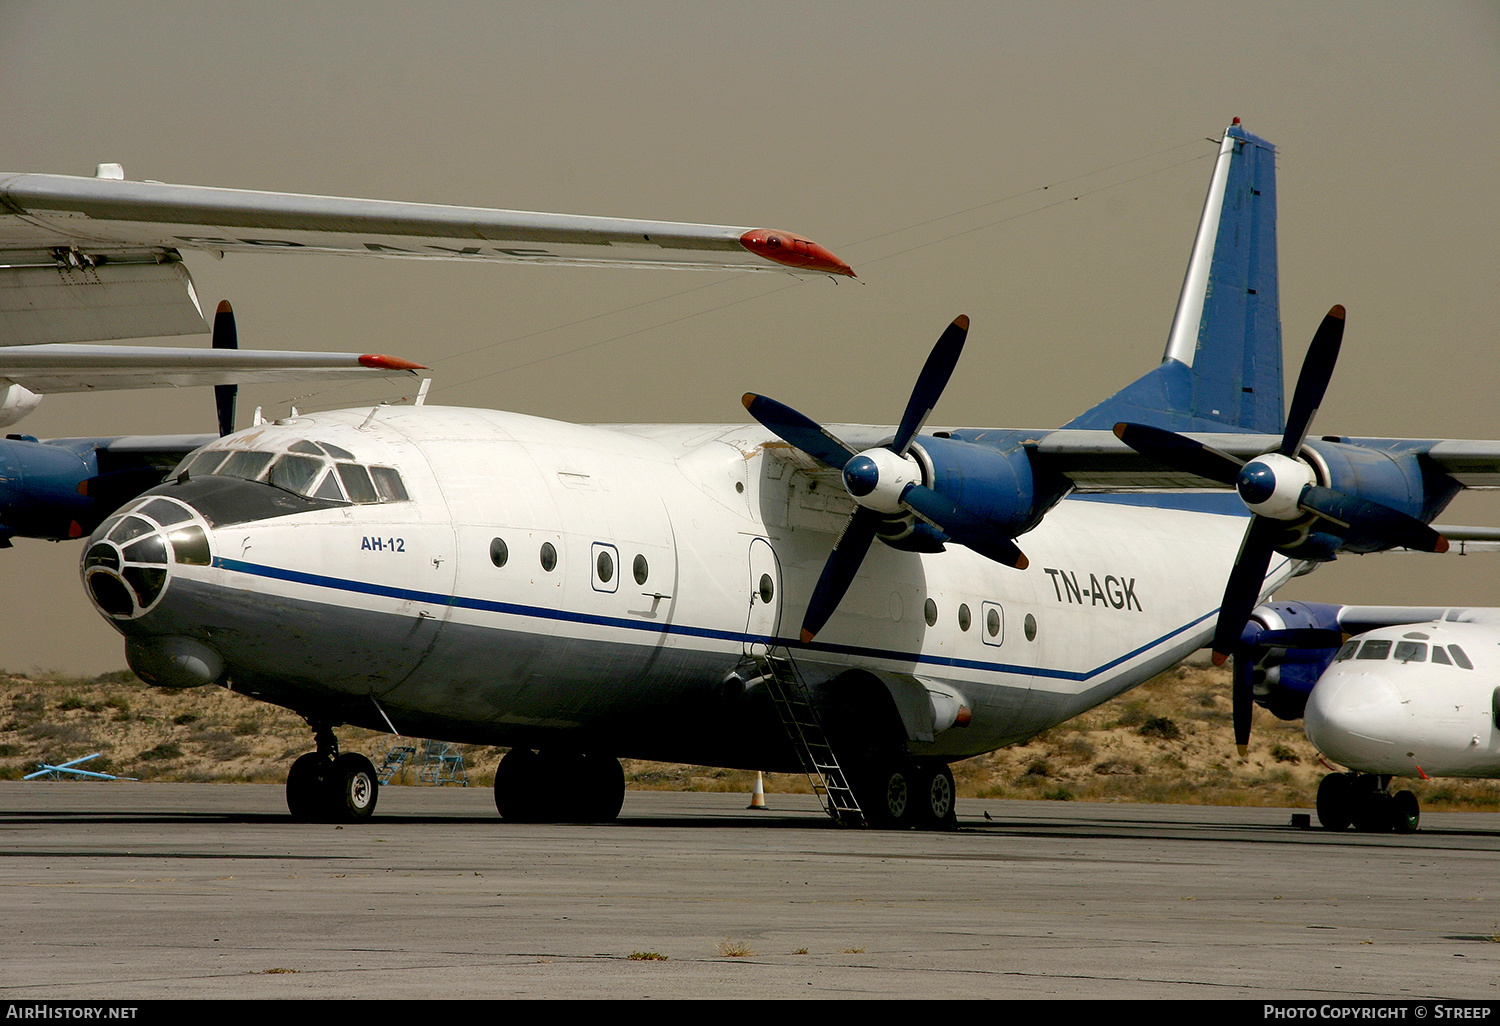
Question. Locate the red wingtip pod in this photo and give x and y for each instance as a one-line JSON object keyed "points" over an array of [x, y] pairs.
{"points": [[793, 250], [388, 363]]}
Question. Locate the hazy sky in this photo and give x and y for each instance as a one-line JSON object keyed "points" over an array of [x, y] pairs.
{"points": [[1038, 167]]}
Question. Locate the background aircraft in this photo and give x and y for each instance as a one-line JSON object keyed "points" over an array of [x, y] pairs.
{"points": [[869, 132], [550, 651], [101, 258]]}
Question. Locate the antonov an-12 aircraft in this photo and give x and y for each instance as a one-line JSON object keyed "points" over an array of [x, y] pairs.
{"points": [[869, 603]]}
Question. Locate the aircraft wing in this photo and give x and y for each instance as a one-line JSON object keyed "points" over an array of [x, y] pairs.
{"points": [[1097, 461], [84, 368], [101, 258]]}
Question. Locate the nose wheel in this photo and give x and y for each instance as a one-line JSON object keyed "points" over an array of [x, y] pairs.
{"points": [[326, 787], [1361, 800]]}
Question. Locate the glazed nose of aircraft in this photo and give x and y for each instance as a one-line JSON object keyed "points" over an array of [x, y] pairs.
{"points": [[1352, 718], [128, 568], [130, 559]]}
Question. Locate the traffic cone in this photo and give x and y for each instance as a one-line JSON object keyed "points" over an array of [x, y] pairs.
{"points": [[758, 798]]}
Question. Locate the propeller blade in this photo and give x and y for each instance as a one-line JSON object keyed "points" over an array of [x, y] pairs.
{"points": [[1245, 580], [1243, 698], [1363, 515], [225, 336], [962, 526], [838, 573], [1180, 452], [1312, 380], [931, 382], [803, 432]]}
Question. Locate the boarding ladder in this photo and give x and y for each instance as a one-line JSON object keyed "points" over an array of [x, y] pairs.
{"points": [[789, 694]]}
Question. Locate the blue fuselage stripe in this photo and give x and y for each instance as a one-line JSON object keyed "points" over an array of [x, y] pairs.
{"points": [[736, 637]]}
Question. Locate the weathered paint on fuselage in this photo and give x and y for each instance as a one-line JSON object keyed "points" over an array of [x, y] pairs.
{"points": [[399, 610]]}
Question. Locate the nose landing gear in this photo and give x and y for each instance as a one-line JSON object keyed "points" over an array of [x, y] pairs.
{"points": [[326, 787], [1361, 799]]}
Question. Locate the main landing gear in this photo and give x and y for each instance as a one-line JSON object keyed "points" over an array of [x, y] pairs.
{"points": [[326, 787], [905, 792], [559, 787], [1361, 799]]}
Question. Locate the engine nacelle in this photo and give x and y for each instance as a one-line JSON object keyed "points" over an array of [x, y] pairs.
{"points": [[1392, 477], [1000, 484], [1283, 677], [39, 495]]}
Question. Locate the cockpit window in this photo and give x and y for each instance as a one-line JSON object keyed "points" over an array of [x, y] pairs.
{"points": [[303, 469], [356, 481], [388, 484], [1347, 652], [296, 473], [1459, 657], [245, 464], [1374, 650], [1411, 652], [1440, 655], [336, 452]]}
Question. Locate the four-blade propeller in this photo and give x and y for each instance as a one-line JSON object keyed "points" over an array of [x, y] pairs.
{"points": [[885, 482], [1279, 488]]}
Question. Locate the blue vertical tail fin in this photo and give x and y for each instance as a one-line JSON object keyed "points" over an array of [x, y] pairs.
{"points": [[1222, 366]]}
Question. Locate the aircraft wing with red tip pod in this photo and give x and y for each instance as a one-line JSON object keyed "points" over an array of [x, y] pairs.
{"points": [[84, 259]]}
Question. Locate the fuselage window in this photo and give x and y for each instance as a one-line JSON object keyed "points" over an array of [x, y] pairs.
{"points": [[963, 616], [499, 553], [1030, 627], [992, 622], [1374, 650], [356, 481], [549, 557], [388, 484], [1411, 652], [1459, 657], [930, 612], [606, 566], [642, 570]]}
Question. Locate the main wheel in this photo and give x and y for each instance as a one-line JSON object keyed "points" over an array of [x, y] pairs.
{"points": [[595, 790], [1334, 802], [935, 798], [1374, 812], [521, 791], [353, 788], [307, 786], [1406, 812], [889, 799]]}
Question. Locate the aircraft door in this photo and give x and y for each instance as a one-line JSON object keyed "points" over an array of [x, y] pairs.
{"points": [[764, 617]]}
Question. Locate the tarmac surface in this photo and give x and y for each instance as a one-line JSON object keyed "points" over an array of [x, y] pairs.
{"points": [[121, 891]]}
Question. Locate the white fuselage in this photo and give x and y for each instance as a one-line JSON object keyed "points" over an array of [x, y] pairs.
{"points": [[1399, 707], [676, 553]]}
